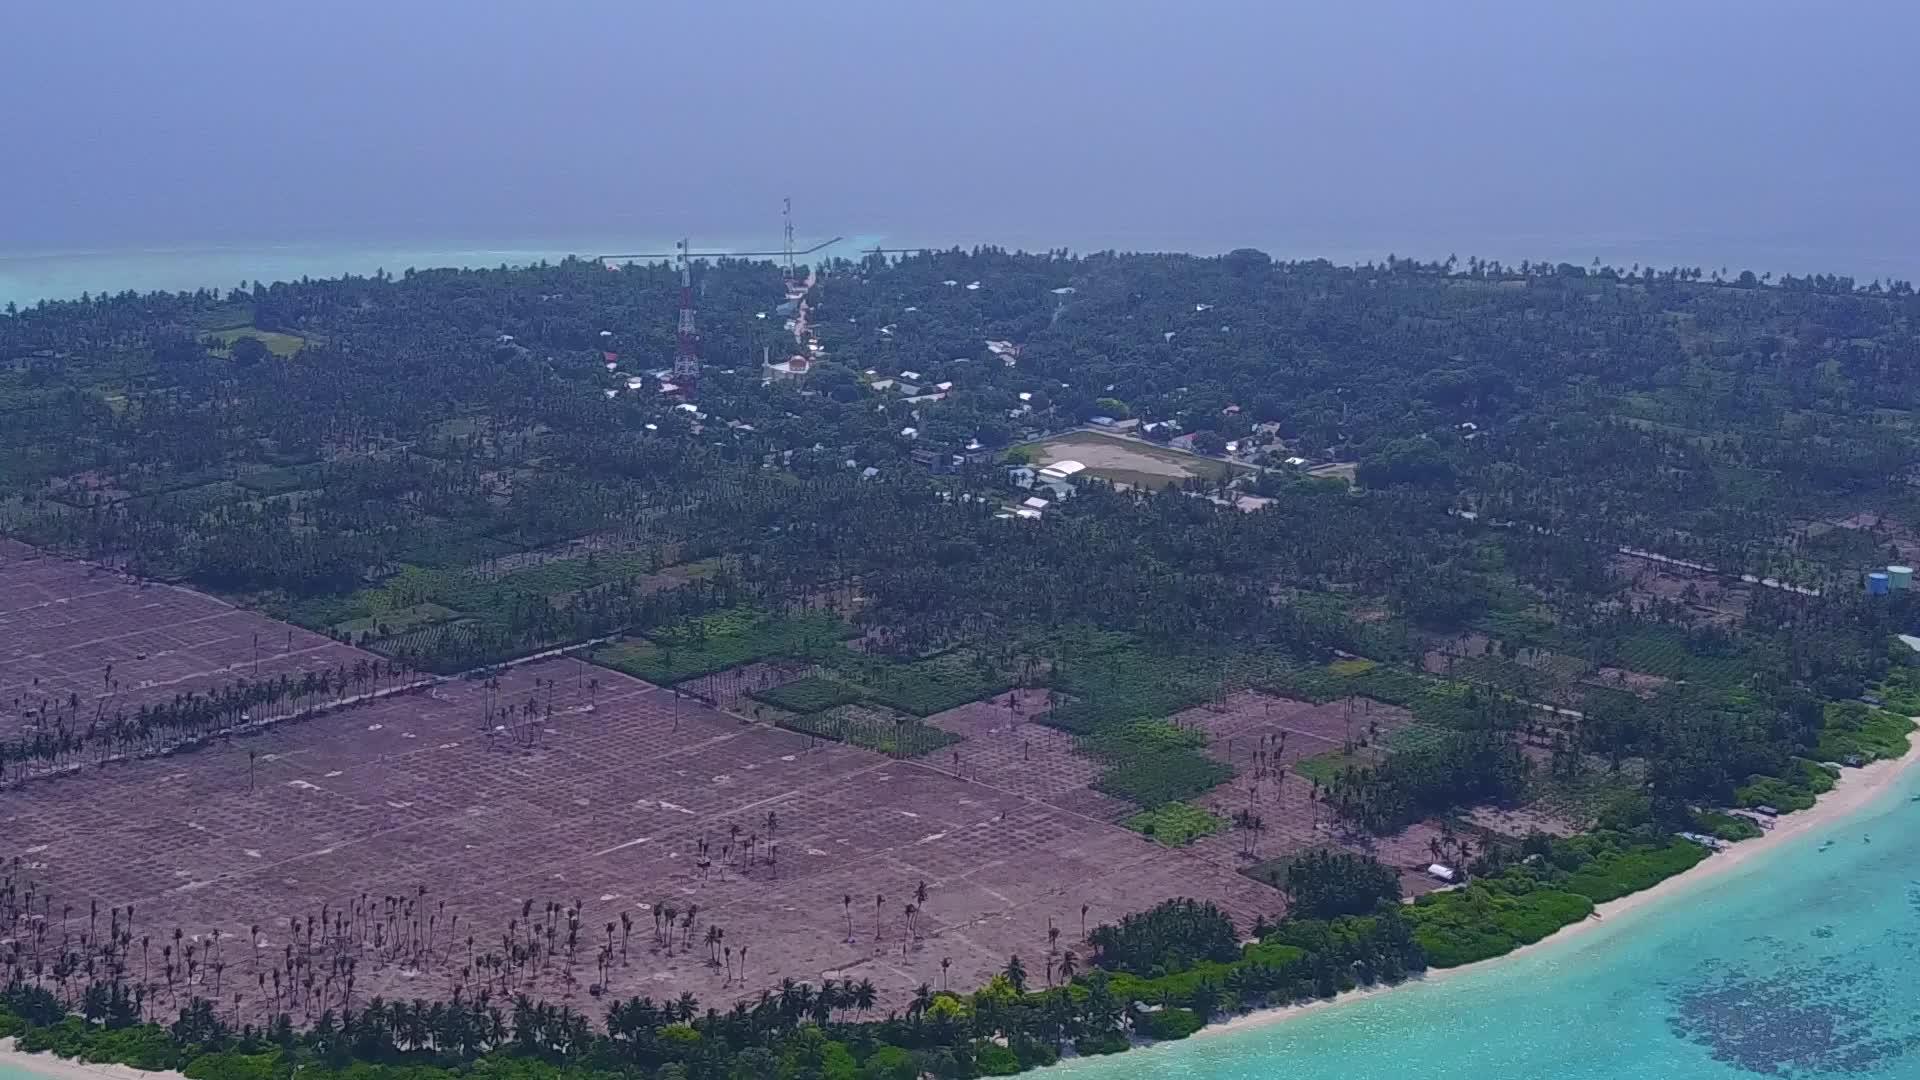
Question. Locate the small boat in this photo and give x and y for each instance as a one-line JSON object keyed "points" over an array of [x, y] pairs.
{"points": [[1826, 845]]}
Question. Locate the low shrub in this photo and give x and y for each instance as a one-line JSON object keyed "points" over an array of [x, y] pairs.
{"points": [[1170, 1023]]}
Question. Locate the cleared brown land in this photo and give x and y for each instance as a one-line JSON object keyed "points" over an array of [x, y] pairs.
{"points": [[62, 623], [605, 803], [1715, 599]]}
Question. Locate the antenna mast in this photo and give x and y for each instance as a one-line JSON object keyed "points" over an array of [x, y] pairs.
{"points": [[686, 349], [786, 217]]}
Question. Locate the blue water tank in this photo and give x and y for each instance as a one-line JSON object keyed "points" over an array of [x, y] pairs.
{"points": [[1877, 583]]}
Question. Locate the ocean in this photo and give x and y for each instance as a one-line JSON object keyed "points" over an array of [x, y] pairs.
{"points": [[1799, 963]]}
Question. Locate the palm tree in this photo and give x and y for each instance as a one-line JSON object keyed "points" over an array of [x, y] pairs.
{"points": [[1069, 963], [1016, 972], [846, 905], [945, 963]]}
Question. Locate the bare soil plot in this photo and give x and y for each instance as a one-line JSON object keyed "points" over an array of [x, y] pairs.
{"points": [[1127, 461], [1003, 747], [1716, 599], [63, 622], [605, 802]]}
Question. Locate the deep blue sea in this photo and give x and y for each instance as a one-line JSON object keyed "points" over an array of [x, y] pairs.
{"points": [[1803, 962]]}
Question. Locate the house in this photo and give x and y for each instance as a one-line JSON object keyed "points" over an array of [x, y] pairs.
{"points": [[1057, 490], [910, 376], [1442, 872], [1035, 503], [1029, 514], [932, 459], [793, 367], [907, 388], [1183, 442], [1101, 421], [909, 433], [869, 473], [881, 384]]}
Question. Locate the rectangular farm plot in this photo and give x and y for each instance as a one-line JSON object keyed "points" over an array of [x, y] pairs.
{"points": [[722, 640], [84, 640], [620, 797]]}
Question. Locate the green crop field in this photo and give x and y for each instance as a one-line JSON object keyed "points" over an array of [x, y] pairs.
{"points": [[1175, 824], [722, 640], [809, 695], [895, 734]]}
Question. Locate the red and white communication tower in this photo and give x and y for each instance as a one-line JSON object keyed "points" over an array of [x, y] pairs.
{"points": [[686, 346]]}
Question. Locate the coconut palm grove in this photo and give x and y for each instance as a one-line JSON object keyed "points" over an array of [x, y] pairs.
{"points": [[953, 663]]}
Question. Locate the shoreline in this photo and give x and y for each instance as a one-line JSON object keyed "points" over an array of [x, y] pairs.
{"points": [[1855, 790]]}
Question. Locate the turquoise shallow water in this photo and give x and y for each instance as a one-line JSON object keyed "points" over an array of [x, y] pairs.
{"points": [[28, 277], [1801, 963]]}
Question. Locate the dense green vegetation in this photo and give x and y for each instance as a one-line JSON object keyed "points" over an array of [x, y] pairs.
{"points": [[1555, 883]]}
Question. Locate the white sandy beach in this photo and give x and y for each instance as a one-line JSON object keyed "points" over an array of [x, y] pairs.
{"points": [[1855, 789]]}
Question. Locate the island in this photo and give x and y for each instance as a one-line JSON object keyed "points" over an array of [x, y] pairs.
{"points": [[926, 665]]}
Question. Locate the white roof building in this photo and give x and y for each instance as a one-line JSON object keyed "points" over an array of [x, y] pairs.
{"points": [[1035, 503]]}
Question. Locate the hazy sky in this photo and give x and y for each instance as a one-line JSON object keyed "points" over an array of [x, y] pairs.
{"points": [[1704, 128]]}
